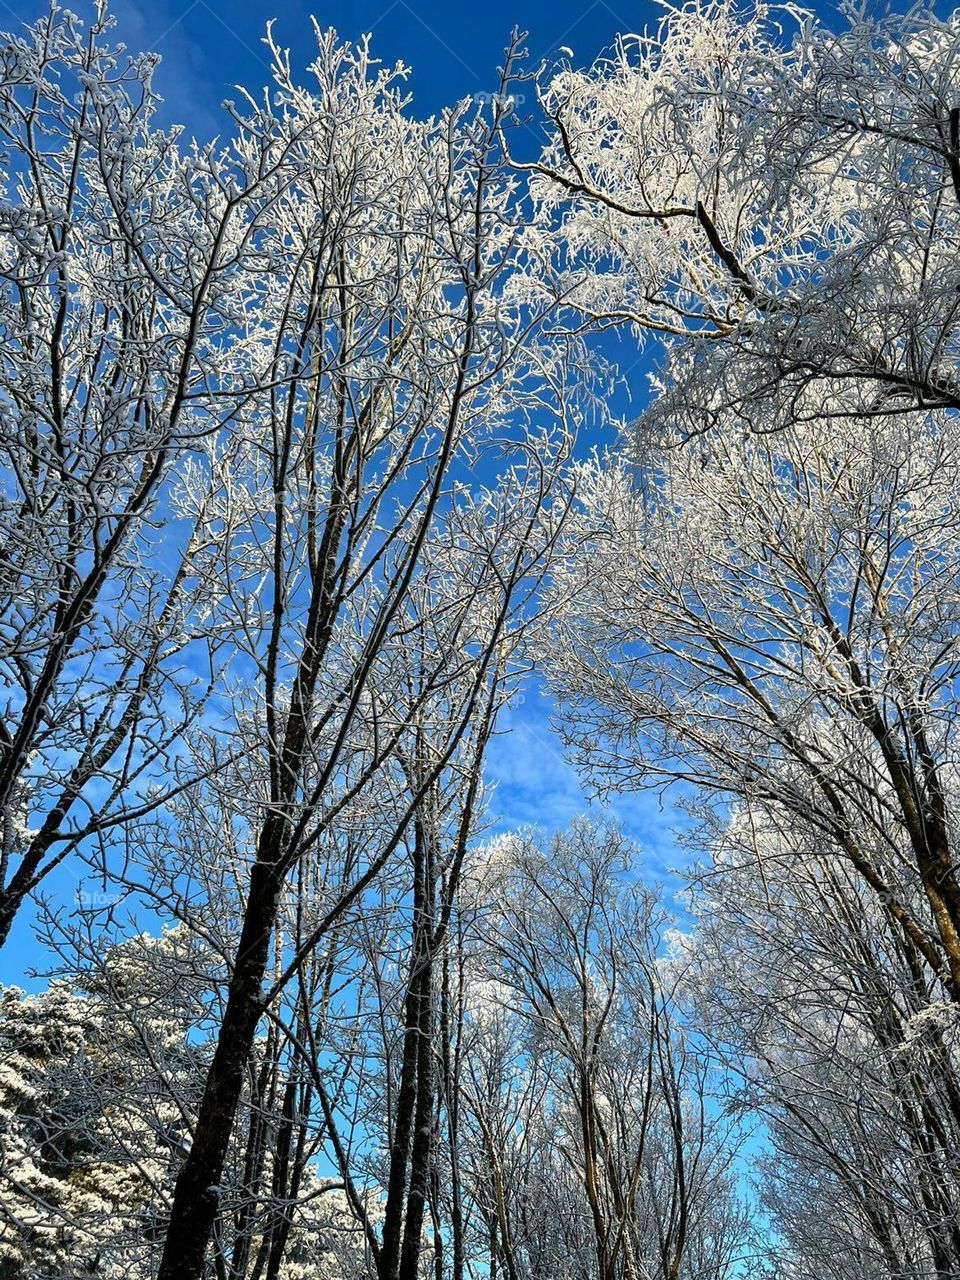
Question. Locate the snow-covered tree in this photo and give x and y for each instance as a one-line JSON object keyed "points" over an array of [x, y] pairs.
{"points": [[823, 1015], [762, 598], [288, 423], [595, 1152], [101, 1076], [778, 198], [359, 577], [775, 619], [123, 257], [98, 1080]]}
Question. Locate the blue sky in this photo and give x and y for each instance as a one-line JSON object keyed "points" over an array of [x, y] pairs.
{"points": [[454, 48]]}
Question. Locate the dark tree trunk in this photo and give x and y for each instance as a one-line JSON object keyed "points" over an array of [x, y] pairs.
{"points": [[402, 1128], [197, 1193], [253, 1163], [451, 1099], [422, 1147], [409, 1163]]}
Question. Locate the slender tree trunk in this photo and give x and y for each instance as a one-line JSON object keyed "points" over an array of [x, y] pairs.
{"points": [[422, 1147], [389, 1266], [253, 1164], [286, 1180], [452, 1099]]}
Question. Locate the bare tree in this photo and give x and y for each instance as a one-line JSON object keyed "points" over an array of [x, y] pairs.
{"points": [[824, 1012], [470, 617]]}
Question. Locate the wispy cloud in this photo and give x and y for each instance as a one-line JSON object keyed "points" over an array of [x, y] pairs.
{"points": [[536, 785]]}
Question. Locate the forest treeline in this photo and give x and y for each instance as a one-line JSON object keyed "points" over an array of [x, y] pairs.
{"points": [[302, 489]]}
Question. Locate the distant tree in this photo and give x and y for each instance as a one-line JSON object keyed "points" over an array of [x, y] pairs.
{"points": [[98, 1080], [773, 622], [844, 1047], [595, 1153]]}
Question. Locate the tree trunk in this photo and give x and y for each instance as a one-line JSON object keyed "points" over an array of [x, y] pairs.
{"points": [[196, 1195], [422, 1147]]}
